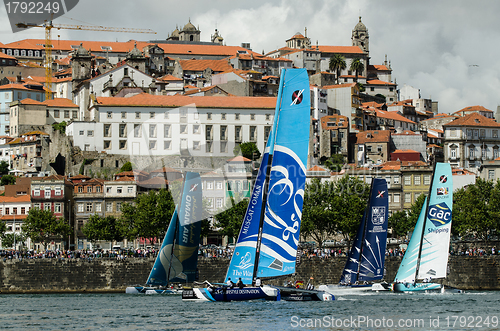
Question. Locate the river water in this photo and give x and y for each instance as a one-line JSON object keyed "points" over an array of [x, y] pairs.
{"points": [[372, 311]]}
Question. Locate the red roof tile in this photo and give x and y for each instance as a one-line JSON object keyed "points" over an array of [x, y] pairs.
{"points": [[341, 49], [474, 119], [373, 136]]}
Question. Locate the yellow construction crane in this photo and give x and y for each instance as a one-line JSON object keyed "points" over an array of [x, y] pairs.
{"points": [[48, 26]]}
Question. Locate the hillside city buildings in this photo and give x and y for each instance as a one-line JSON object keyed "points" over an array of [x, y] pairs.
{"points": [[181, 103]]}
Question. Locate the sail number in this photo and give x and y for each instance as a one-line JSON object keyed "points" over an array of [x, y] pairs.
{"points": [[14, 7], [471, 321]]}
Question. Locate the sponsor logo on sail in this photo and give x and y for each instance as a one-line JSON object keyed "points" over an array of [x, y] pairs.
{"points": [[378, 215], [245, 262], [380, 194], [443, 179], [442, 190], [439, 214], [297, 97]]}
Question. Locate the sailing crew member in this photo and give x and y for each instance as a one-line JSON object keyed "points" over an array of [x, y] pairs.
{"points": [[258, 282], [240, 284], [230, 283]]}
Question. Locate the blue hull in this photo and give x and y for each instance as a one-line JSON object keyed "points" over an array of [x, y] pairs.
{"points": [[149, 290], [409, 287]]}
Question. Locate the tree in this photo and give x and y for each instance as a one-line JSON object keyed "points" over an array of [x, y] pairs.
{"points": [[102, 228], [398, 222], [61, 127], [357, 66], [3, 228], [42, 226], [335, 162], [149, 217], [4, 167], [248, 149], [337, 64], [414, 213], [8, 239], [229, 221], [127, 166], [8, 180]]}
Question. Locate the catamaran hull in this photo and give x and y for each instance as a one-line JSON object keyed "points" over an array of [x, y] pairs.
{"points": [[149, 290], [344, 289], [409, 287], [381, 287], [293, 294], [234, 294]]}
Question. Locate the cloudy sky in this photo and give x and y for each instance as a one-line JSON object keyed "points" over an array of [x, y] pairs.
{"points": [[448, 48]]}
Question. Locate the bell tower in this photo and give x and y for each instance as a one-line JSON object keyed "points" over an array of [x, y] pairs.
{"points": [[360, 36]]}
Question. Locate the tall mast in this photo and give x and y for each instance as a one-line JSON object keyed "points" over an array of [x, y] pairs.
{"points": [[266, 184], [367, 212], [425, 221]]}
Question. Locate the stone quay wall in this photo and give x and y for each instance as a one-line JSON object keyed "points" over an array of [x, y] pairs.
{"points": [[111, 275]]}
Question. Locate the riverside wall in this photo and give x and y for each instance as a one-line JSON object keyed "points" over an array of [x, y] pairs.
{"points": [[111, 275]]}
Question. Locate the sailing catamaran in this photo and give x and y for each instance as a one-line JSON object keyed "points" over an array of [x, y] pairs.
{"points": [[426, 257], [269, 235], [177, 259], [367, 256]]}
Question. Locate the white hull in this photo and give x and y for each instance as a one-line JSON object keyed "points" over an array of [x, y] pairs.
{"points": [[344, 289]]}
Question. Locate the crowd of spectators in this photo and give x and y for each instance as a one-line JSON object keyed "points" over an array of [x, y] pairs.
{"points": [[86, 254]]}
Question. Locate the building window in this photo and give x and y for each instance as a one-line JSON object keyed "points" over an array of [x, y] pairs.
{"points": [[137, 114], [110, 114], [453, 133], [23, 210], [210, 185], [237, 133], [407, 180], [82, 132], [47, 192], [416, 180], [166, 114], [427, 180], [183, 129], [47, 206], [152, 144], [482, 133], [56, 113], [130, 189], [66, 114], [407, 197], [237, 116], [119, 190], [218, 203], [90, 133], [167, 130], [122, 144], [80, 207], [88, 207], [196, 145], [223, 146], [123, 131], [107, 144], [98, 189], [137, 131], [196, 128], [118, 206], [453, 153], [491, 174], [98, 207], [208, 132], [223, 116], [471, 151], [152, 130], [124, 114], [494, 133], [208, 147], [495, 152], [209, 116], [151, 115], [223, 132], [267, 131], [252, 117], [109, 206], [107, 130], [219, 185], [253, 133], [395, 180]]}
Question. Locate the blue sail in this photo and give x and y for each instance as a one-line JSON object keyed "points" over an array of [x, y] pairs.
{"points": [[243, 259], [375, 239], [178, 257], [283, 213], [367, 256]]}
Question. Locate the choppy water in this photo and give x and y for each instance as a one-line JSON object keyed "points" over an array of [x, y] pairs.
{"points": [[386, 311]]}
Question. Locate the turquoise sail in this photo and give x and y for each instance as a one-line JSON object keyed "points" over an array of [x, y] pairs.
{"points": [[178, 257], [283, 213], [427, 254]]}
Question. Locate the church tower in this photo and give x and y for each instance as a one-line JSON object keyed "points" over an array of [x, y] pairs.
{"points": [[189, 33], [81, 62], [135, 58], [360, 36]]}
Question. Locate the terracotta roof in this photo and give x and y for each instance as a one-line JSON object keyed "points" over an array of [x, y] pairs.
{"points": [[20, 198], [474, 119], [318, 168], [399, 151], [373, 136], [154, 182], [18, 87], [35, 133], [341, 49], [379, 82], [205, 89], [173, 101], [379, 67], [433, 146], [327, 87], [461, 172], [11, 217], [391, 165], [125, 179], [239, 158], [79, 176], [334, 118], [7, 57], [406, 132], [201, 65], [169, 78], [392, 115], [60, 102], [473, 109], [31, 102]]}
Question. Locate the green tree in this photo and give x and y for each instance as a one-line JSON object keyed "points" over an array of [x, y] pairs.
{"points": [[337, 64], [149, 217], [102, 228], [334, 162], [4, 167], [61, 127], [127, 166], [42, 226], [399, 224], [8, 180], [229, 221], [248, 149], [475, 209], [357, 66], [318, 211], [9, 238], [414, 213], [3, 228]]}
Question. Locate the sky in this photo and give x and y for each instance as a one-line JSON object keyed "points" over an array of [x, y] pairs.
{"points": [[448, 49]]}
